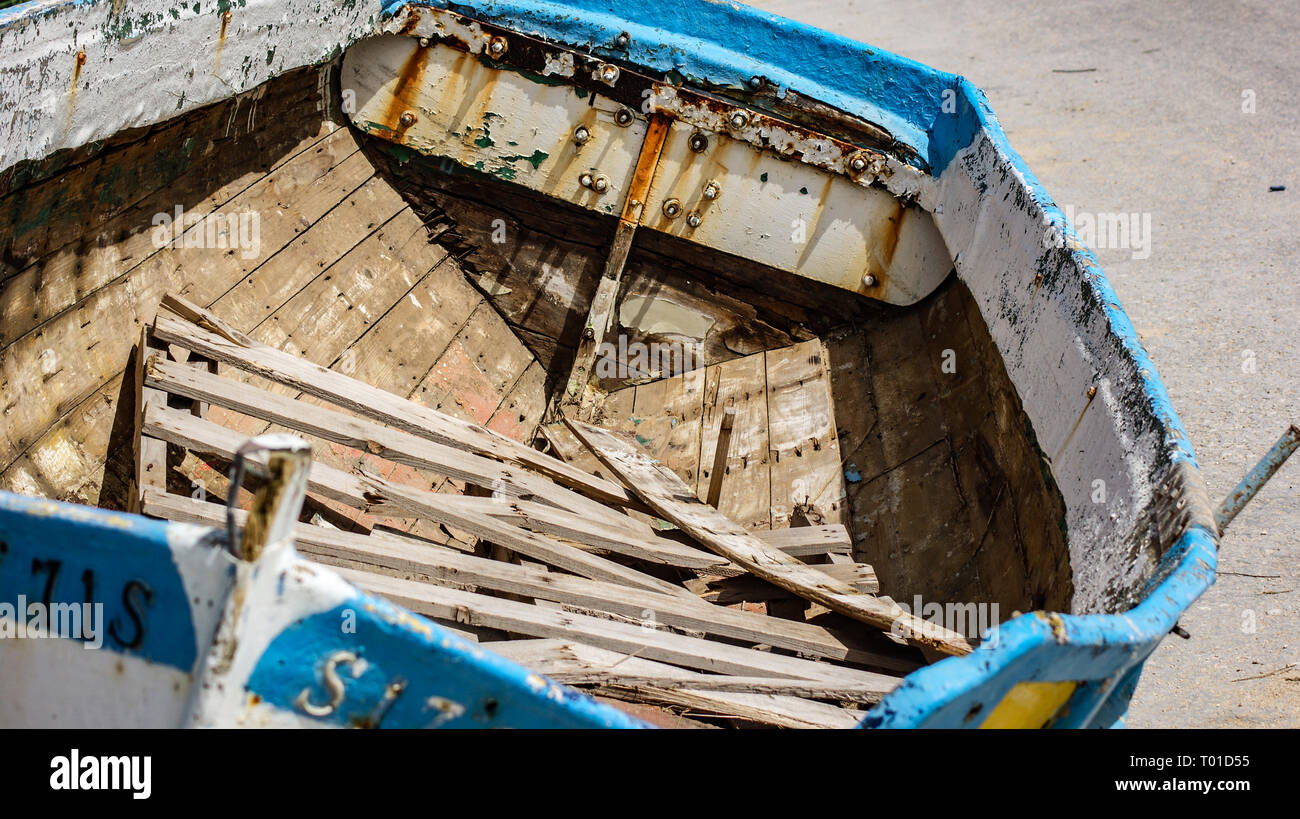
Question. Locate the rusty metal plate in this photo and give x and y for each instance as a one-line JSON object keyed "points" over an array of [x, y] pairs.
{"points": [[795, 217], [517, 126]]}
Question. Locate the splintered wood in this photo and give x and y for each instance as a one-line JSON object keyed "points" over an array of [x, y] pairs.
{"points": [[594, 563]]}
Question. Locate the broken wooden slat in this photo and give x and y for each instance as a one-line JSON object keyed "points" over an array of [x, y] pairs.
{"points": [[150, 453], [521, 618], [371, 493], [721, 450], [394, 445], [560, 657], [444, 565], [382, 406], [666, 494]]}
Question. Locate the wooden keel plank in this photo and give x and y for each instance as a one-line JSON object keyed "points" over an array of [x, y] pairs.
{"points": [[661, 489]]}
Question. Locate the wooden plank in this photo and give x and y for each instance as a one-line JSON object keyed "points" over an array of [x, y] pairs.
{"points": [[721, 450], [371, 493], [60, 363], [666, 420], [385, 407], [404, 448], [558, 658], [667, 495], [445, 566], [745, 492], [150, 453], [804, 449], [809, 541], [678, 649]]}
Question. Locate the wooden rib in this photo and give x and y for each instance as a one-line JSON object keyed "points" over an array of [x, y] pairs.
{"points": [[385, 407], [373, 494], [666, 494]]}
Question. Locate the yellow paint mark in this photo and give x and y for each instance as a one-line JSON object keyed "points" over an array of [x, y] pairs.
{"points": [[1030, 705]]}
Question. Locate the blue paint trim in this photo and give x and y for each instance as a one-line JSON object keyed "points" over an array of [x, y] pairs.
{"points": [[959, 692], [146, 611], [450, 683]]}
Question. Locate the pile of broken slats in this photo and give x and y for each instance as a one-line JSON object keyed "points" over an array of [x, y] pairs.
{"points": [[645, 594]]}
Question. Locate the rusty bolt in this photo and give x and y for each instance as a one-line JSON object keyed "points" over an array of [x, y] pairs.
{"points": [[623, 117], [693, 218], [497, 46], [858, 163], [672, 208], [225, 16], [600, 184], [407, 119], [424, 42], [869, 280], [755, 83], [739, 119], [589, 332], [581, 135], [608, 74], [622, 39], [81, 58], [1092, 390], [699, 142], [712, 191], [586, 179]]}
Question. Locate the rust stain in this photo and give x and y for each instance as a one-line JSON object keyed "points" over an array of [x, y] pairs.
{"points": [[646, 164], [76, 76], [221, 40], [406, 92]]}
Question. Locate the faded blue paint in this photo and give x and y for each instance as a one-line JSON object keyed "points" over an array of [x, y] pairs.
{"points": [[146, 611], [438, 667]]}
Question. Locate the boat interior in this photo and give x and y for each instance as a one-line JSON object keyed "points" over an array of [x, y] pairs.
{"points": [[460, 290]]}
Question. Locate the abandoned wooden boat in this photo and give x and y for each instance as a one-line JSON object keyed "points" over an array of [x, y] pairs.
{"points": [[529, 277]]}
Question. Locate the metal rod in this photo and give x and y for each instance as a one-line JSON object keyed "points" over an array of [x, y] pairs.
{"points": [[1257, 477]]}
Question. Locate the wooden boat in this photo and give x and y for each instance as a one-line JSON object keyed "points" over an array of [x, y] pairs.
{"points": [[810, 279]]}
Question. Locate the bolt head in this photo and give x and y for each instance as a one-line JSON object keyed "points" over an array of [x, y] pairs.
{"points": [[407, 119], [608, 73], [424, 42], [755, 82], [586, 180], [672, 208], [623, 39], [581, 134], [858, 164], [739, 119], [711, 190], [623, 117], [600, 184], [699, 142], [693, 219], [497, 46], [869, 280]]}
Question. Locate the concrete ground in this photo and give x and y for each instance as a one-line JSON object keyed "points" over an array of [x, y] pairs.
{"points": [[1188, 111]]}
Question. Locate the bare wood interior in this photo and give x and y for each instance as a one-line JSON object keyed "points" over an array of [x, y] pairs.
{"points": [[464, 294]]}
